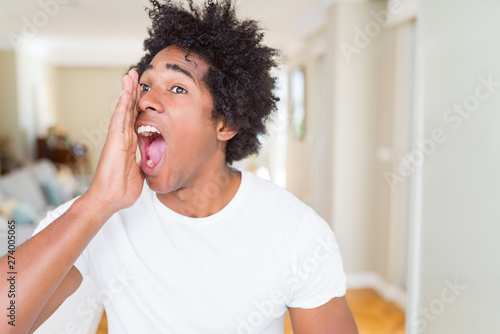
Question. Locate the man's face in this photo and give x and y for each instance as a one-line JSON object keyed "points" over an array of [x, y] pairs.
{"points": [[176, 103]]}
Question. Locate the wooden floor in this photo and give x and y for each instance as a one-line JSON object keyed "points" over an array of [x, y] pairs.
{"points": [[373, 314]]}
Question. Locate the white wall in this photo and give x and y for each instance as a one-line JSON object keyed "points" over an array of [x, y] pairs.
{"points": [[301, 153], [9, 121], [24, 84], [354, 131], [33, 78], [456, 237], [35, 95], [362, 109], [85, 99]]}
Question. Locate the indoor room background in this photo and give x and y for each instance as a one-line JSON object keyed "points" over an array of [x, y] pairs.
{"points": [[388, 126]]}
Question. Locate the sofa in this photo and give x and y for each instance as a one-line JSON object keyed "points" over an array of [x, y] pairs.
{"points": [[26, 195]]}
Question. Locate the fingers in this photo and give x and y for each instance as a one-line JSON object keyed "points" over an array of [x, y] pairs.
{"points": [[120, 112], [130, 116], [124, 115], [136, 108], [134, 75]]}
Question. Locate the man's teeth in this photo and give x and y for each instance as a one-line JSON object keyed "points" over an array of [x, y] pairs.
{"points": [[150, 163], [147, 130]]}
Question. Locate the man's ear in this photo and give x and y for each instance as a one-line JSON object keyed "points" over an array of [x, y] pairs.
{"points": [[224, 131]]}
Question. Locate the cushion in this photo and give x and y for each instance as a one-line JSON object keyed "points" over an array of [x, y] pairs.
{"points": [[3, 228], [44, 170], [53, 193], [21, 213], [53, 181], [7, 206], [23, 186]]}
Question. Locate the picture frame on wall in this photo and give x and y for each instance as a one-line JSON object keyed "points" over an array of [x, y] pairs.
{"points": [[298, 102]]}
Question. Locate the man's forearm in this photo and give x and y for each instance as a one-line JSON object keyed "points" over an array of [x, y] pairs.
{"points": [[44, 260]]}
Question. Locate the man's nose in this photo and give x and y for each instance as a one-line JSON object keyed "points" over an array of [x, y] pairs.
{"points": [[149, 101]]}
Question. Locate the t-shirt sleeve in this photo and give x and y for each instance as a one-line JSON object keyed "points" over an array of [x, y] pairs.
{"points": [[81, 262], [319, 274]]}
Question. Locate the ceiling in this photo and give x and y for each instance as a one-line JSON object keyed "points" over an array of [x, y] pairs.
{"points": [[107, 32]]}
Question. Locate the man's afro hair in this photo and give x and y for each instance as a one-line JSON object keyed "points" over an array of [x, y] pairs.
{"points": [[238, 77]]}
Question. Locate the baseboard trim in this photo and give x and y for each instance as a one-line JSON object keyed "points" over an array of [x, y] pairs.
{"points": [[371, 280]]}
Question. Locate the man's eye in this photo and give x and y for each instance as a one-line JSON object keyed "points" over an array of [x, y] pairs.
{"points": [[178, 90], [144, 87]]}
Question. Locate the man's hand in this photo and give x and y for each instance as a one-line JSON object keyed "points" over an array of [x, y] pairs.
{"points": [[118, 180]]}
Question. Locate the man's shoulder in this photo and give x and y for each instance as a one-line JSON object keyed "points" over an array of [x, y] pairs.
{"points": [[267, 189], [266, 194]]}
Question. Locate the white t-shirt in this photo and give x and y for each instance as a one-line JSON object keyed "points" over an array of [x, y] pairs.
{"points": [[236, 271]]}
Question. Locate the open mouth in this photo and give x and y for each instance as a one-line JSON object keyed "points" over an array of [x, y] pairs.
{"points": [[152, 145]]}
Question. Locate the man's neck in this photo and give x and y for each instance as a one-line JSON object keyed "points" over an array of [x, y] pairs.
{"points": [[207, 196]]}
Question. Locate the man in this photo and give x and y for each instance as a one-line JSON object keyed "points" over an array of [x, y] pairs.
{"points": [[206, 248]]}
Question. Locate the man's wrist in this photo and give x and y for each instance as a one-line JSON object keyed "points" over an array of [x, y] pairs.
{"points": [[98, 210]]}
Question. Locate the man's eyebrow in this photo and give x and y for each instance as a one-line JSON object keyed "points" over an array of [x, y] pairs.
{"points": [[179, 69], [172, 67]]}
